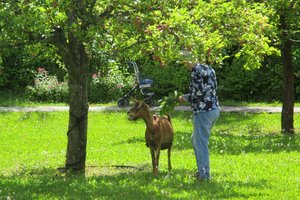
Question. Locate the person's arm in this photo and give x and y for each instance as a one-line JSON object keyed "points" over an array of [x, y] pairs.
{"points": [[184, 98]]}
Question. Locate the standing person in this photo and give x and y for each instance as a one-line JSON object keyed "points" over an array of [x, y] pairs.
{"points": [[204, 102]]}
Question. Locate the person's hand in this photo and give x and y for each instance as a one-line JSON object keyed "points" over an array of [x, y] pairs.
{"points": [[181, 99]]}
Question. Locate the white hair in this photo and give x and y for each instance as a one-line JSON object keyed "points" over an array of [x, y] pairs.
{"points": [[186, 55]]}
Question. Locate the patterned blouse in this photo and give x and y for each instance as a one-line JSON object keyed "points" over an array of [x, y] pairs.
{"points": [[202, 90]]}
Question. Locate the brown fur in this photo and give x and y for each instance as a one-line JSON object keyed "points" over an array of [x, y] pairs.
{"points": [[159, 132]]}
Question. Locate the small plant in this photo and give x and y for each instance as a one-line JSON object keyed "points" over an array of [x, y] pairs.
{"points": [[47, 88], [168, 103]]}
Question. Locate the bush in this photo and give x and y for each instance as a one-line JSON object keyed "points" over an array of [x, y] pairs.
{"points": [[47, 88], [167, 80], [109, 87], [239, 84], [18, 65]]}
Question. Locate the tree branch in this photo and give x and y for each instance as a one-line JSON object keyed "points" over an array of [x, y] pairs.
{"points": [[59, 40]]}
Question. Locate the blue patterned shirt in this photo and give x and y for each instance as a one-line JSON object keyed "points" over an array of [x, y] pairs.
{"points": [[202, 90]]}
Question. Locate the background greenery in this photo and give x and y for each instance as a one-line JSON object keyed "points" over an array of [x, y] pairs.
{"points": [[250, 159], [234, 82], [243, 37]]}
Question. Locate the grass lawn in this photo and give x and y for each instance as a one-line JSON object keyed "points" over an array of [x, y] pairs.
{"points": [[250, 159]]}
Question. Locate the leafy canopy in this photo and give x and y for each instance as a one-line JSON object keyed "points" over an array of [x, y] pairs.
{"points": [[122, 29]]}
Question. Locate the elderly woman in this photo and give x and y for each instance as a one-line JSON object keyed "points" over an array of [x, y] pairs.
{"points": [[204, 102]]}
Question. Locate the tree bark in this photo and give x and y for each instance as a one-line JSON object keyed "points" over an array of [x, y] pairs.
{"points": [[287, 114], [77, 62]]}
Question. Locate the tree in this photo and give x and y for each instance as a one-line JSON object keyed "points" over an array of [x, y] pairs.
{"points": [[81, 29], [289, 27], [74, 28], [67, 26]]}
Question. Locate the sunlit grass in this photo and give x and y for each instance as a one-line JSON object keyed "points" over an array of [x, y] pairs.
{"points": [[250, 159]]}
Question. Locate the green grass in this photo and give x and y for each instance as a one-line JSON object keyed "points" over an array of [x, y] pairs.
{"points": [[250, 159], [253, 103], [8, 98]]}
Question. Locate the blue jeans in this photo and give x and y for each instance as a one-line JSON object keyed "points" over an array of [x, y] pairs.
{"points": [[203, 122]]}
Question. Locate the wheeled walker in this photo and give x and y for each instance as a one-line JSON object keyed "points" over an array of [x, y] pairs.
{"points": [[140, 84]]}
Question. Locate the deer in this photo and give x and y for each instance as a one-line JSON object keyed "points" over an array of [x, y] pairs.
{"points": [[159, 132]]}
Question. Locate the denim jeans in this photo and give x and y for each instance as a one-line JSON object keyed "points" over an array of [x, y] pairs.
{"points": [[203, 122]]}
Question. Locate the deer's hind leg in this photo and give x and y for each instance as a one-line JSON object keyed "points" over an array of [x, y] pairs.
{"points": [[169, 159]]}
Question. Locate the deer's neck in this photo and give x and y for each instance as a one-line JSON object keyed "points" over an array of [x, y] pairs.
{"points": [[149, 122]]}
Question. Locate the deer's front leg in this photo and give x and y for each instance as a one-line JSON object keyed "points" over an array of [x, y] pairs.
{"points": [[157, 157], [154, 162]]}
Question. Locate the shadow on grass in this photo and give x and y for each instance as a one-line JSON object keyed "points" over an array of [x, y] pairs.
{"points": [[236, 144], [234, 134], [134, 184], [239, 133]]}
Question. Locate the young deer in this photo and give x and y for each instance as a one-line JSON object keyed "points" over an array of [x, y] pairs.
{"points": [[159, 132]]}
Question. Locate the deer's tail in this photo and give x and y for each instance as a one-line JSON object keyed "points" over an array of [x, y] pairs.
{"points": [[169, 118]]}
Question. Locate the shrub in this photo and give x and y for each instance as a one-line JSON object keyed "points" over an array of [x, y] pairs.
{"points": [[109, 87], [263, 84], [168, 79], [47, 88]]}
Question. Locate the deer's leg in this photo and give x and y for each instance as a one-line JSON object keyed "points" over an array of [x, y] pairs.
{"points": [[157, 153], [154, 165], [169, 159], [157, 157]]}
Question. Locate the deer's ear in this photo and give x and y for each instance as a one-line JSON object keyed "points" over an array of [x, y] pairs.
{"points": [[139, 104], [145, 105]]}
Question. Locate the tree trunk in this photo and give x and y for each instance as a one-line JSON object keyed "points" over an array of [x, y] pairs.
{"points": [[77, 62], [287, 114]]}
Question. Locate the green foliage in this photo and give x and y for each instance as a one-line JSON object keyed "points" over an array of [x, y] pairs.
{"points": [[246, 152], [210, 29], [14, 75], [235, 34], [263, 84], [47, 88], [166, 80], [104, 88], [168, 103]]}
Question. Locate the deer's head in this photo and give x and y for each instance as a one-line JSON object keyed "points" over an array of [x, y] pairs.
{"points": [[139, 110]]}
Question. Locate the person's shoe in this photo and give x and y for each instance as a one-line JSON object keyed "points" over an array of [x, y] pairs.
{"points": [[196, 175], [199, 178]]}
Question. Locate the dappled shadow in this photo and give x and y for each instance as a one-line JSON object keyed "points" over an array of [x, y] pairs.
{"points": [[224, 143], [182, 140], [224, 119], [136, 184], [236, 144], [238, 133], [131, 140]]}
